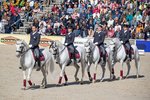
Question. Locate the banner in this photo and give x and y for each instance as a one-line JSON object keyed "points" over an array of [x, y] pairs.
{"points": [[80, 41], [143, 45], [10, 39]]}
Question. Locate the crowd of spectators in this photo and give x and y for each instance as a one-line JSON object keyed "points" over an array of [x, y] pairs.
{"points": [[84, 15]]}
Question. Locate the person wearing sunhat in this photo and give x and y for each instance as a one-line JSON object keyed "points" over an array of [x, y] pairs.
{"points": [[69, 40], [99, 37], [124, 38]]}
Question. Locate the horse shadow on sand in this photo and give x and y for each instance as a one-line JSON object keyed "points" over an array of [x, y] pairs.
{"points": [[118, 79], [84, 82], [62, 85]]}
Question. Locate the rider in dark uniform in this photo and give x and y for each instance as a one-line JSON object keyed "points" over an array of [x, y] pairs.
{"points": [[99, 38], [34, 44], [69, 39], [124, 38]]}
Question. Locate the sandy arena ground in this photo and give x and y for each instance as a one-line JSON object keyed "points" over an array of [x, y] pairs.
{"points": [[127, 89]]}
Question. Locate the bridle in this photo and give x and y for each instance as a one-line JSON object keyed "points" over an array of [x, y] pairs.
{"points": [[56, 50], [22, 51]]}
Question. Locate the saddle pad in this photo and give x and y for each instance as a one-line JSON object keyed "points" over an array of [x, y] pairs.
{"points": [[42, 58]]}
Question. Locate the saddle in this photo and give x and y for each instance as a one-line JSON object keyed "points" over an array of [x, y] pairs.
{"points": [[101, 54], [42, 58], [71, 56], [126, 50]]}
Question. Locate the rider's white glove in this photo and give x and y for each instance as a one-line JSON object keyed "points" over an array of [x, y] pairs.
{"points": [[121, 41], [30, 45], [66, 44], [96, 43]]}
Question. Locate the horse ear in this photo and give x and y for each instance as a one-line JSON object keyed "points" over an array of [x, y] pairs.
{"points": [[49, 42]]}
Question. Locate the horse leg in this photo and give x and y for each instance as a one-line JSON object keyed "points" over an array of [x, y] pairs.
{"points": [[137, 65], [83, 70], [121, 70], [129, 67], [66, 78], [44, 81], [61, 74], [24, 80], [77, 70], [111, 69], [89, 74], [103, 69], [28, 77], [94, 77]]}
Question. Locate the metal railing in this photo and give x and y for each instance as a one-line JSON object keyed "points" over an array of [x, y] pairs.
{"points": [[21, 18]]}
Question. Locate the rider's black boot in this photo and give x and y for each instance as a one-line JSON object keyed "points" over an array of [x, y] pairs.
{"points": [[39, 65]]}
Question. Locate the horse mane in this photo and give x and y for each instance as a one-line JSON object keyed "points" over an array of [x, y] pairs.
{"points": [[117, 41], [23, 42], [58, 43]]}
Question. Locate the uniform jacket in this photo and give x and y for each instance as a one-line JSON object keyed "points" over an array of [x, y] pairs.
{"points": [[70, 38], [35, 40], [99, 37], [125, 36]]}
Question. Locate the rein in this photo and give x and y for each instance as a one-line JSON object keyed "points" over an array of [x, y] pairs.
{"points": [[119, 48], [23, 53]]}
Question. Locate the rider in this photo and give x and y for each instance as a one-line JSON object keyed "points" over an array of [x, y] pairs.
{"points": [[69, 39], [99, 38], [34, 44], [124, 38]]}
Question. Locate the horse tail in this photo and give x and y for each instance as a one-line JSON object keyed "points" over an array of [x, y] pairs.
{"points": [[52, 64], [137, 60]]}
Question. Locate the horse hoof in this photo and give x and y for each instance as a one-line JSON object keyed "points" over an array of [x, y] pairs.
{"points": [[33, 85], [114, 77], [43, 87], [81, 83], [121, 78], [101, 80], [58, 84], [94, 81], [65, 84], [24, 88], [91, 79], [77, 79], [126, 77]]}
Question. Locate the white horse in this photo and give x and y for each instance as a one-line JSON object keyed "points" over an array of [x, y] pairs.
{"points": [[119, 55], [62, 57], [93, 56], [27, 62]]}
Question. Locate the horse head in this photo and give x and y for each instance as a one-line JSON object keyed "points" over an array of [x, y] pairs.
{"points": [[21, 47], [88, 47], [54, 47], [114, 43]]}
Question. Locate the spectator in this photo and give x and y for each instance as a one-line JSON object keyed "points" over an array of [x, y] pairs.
{"points": [[36, 22], [75, 15], [63, 30], [139, 29], [110, 22], [110, 32], [69, 10], [42, 29], [117, 32], [49, 30], [77, 31]]}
